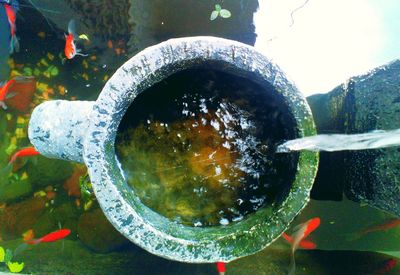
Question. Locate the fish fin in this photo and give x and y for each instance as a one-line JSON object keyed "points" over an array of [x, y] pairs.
{"points": [[20, 249], [23, 78], [3, 105], [81, 54], [14, 44], [10, 95], [292, 266], [305, 244], [72, 27]]}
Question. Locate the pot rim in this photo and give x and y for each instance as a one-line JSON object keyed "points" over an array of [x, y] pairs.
{"points": [[139, 223]]}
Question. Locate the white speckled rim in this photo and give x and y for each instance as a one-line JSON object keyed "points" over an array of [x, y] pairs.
{"points": [[152, 231]]}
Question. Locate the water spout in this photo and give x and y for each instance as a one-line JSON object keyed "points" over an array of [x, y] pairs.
{"points": [[339, 142]]}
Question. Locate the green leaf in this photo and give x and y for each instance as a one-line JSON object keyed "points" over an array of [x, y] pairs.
{"points": [[217, 7], [15, 267], [2, 254], [225, 13], [214, 15], [8, 256]]}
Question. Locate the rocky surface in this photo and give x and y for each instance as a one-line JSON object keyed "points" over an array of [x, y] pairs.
{"points": [[96, 232]]}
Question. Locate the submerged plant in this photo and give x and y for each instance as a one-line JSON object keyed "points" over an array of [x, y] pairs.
{"points": [[219, 11]]}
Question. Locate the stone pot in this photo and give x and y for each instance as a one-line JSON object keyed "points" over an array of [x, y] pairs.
{"points": [[86, 131]]}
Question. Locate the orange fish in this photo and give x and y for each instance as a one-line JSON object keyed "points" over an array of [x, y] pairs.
{"points": [[386, 225], [18, 91], [4, 91], [221, 268], [382, 226], [52, 237], [301, 232], [14, 43], [303, 244], [70, 50], [26, 152]]}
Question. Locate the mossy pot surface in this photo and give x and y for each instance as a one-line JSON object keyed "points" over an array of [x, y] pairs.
{"points": [[151, 230]]}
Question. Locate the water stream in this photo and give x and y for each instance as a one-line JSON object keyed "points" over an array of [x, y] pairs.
{"points": [[340, 142]]}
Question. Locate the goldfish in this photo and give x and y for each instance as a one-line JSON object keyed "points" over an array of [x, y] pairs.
{"points": [[51, 237], [303, 244], [26, 152], [301, 232], [14, 43], [386, 225], [5, 89], [70, 50], [221, 268]]}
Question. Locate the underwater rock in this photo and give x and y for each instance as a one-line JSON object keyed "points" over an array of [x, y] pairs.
{"points": [[66, 215], [14, 190], [48, 171], [96, 232], [20, 217], [365, 103]]}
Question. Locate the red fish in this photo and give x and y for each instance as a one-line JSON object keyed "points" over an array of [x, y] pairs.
{"points": [[5, 89], [26, 152], [221, 268], [387, 266], [14, 43], [52, 237], [3, 93], [70, 49], [301, 232], [386, 225], [382, 227], [303, 244]]}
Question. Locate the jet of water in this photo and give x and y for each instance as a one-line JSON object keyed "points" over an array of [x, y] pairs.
{"points": [[339, 142]]}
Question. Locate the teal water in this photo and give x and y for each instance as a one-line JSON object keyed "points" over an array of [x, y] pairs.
{"points": [[43, 195]]}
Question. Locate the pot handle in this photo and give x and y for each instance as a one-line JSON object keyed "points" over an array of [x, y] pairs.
{"points": [[57, 128]]}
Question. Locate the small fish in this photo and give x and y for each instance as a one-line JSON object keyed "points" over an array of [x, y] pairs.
{"points": [[386, 225], [52, 237], [221, 268], [26, 152], [301, 232], [14, 43], [303, 244], [70, 50], [5, 90]]}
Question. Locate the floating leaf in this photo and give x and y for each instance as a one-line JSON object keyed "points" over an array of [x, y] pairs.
{"points": [[8, 256], [84, 37], [54, 71], [217, 7], [15, 267], [225, 13], [214, 15], [2, 254]]}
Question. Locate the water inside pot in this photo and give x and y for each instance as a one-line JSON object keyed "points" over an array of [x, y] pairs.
{"points": [[199, 147]]}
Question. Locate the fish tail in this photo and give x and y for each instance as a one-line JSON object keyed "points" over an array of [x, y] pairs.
{"points": [[292, 266], [20, 249], [72, 27], [3, 105], [14, 44]]}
